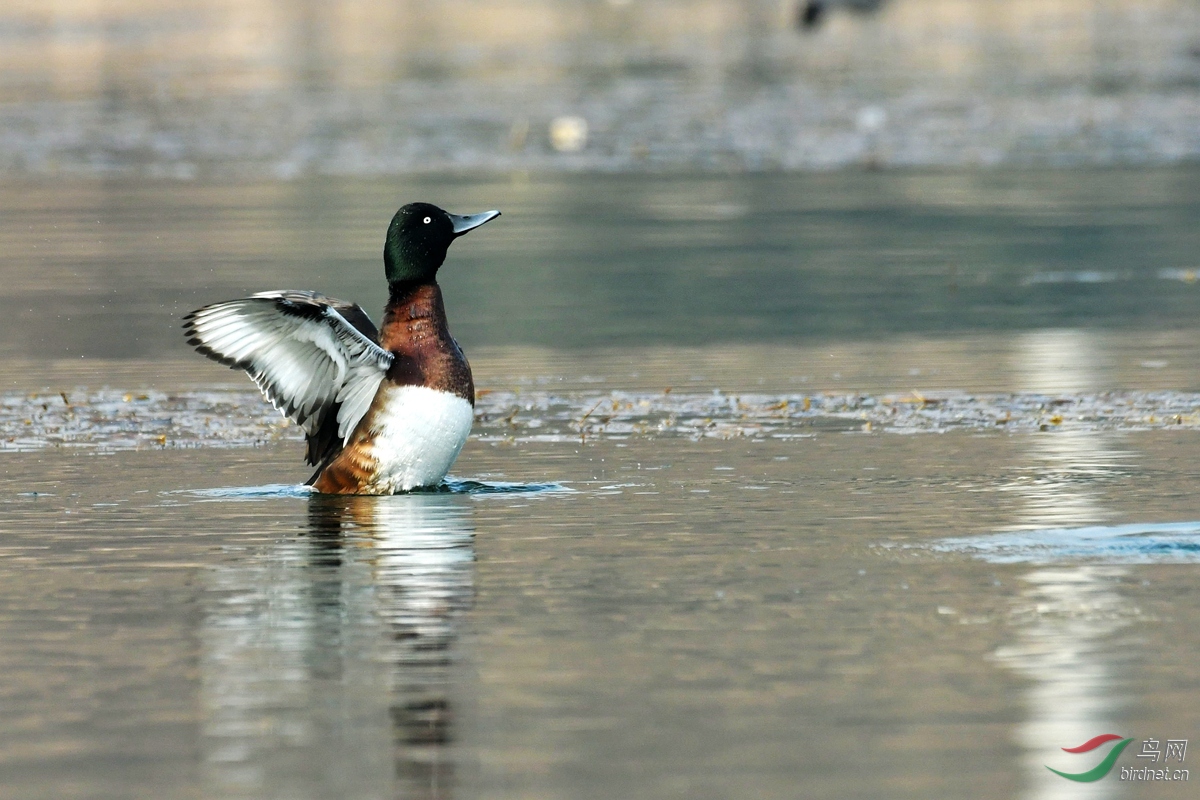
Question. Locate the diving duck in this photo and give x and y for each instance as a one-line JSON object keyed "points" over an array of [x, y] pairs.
{"points": [[384, 411]]}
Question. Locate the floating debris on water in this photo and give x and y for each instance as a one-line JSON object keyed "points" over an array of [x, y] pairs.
{"points": [[119, 420]]}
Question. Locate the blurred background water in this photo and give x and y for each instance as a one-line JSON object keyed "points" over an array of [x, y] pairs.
{"points": [[190, 88], [871, 281]]}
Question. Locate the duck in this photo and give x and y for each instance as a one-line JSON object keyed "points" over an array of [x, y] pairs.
{"points": [[384, 410]]}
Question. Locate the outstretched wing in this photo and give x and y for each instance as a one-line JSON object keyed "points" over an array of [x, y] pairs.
{"points": [[315, 358]]}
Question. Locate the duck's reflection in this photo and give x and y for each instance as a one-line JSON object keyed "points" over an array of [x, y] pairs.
{"points": [[329, 657], [1068, 612]]}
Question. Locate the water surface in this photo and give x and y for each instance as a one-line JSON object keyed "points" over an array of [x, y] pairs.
{"points": [[104, 269], [695, 618], [841, 486]]}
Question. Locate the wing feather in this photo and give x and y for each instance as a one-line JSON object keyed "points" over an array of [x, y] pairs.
{"points": [[355, 398], [312, 356]]}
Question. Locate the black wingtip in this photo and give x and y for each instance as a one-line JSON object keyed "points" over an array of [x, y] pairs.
{"points": [[208, 352]]}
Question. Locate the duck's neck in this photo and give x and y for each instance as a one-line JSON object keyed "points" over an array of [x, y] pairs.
{"points": [[414, 314]]}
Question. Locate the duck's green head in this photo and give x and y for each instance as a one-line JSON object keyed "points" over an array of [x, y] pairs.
{"points": [[418, 238]]}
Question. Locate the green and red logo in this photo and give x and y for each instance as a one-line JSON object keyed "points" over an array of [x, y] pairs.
{"points": [[1104, 767]]}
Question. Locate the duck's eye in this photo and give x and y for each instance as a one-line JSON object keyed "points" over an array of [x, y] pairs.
{"points": [[428, 220]]}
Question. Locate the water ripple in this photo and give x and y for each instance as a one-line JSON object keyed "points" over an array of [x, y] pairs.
{"points": [[1133, 543], [448, 486]]}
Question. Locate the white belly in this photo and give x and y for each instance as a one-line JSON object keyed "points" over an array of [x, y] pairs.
{"points": [[418, 434]]}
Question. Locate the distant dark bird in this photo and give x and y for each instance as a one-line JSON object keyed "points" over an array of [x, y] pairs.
{"points": [[383, 411], [810, 13]]}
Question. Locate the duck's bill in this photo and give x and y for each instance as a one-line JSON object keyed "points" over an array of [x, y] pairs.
{"points": [[471, 222]]}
